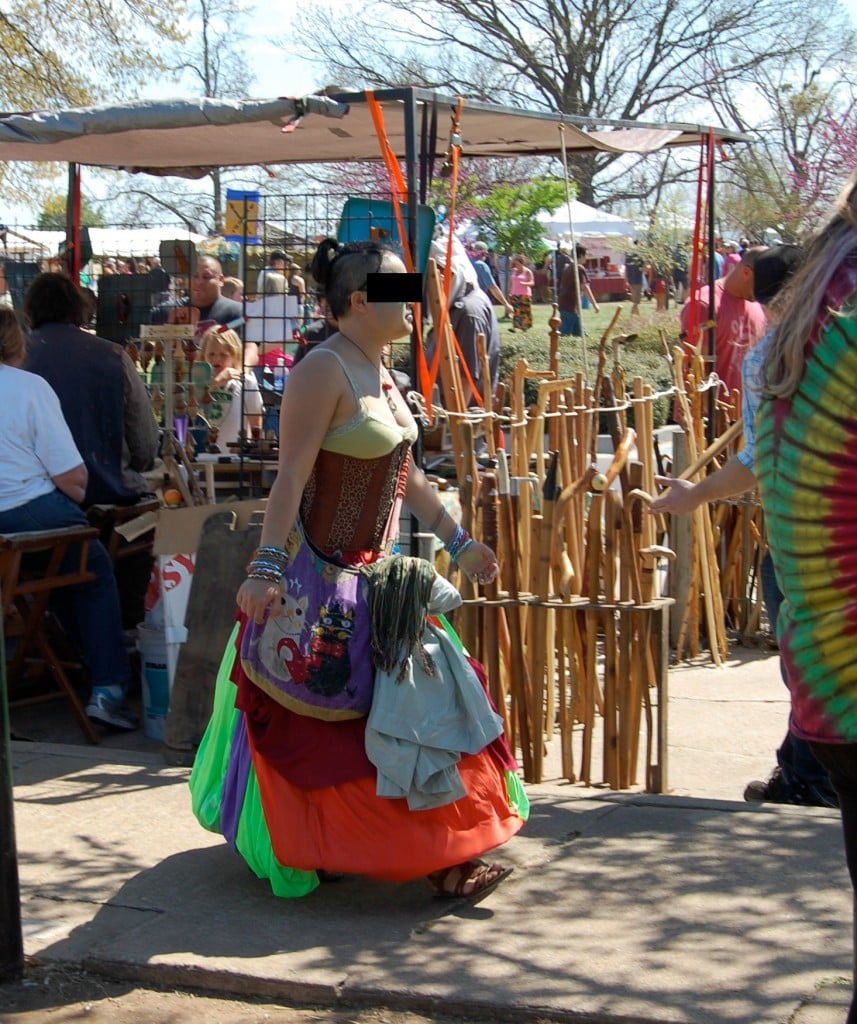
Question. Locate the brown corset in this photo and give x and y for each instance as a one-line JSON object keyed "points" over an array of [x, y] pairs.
{"points": [[347, 502]]}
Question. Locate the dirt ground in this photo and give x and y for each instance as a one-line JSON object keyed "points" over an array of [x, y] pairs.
{"points": [[60, 995]]}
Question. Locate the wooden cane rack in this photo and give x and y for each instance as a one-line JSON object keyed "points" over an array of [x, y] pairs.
{"points": [[575, 633]]}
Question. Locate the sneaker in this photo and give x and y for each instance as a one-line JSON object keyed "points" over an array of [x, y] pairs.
{"points": [[112, 712], [774, 791], [777, 791]]}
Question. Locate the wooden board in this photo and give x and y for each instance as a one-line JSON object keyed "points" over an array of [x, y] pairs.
{"points": [[221, 558]]}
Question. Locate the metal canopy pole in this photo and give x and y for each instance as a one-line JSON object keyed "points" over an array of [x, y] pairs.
{"points": [[711, 346], [412, 159], [11, 937], [72, 228]]}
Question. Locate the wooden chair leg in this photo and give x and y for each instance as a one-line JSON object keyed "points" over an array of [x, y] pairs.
{"points": [[58, 672]]}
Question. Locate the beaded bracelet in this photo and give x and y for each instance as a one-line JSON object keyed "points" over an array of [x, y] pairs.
{"points": [[267, 563], [463, 548], [271, 550], [460, 541]]}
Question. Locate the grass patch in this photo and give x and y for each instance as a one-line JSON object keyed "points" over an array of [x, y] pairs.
{"points": [[641, 358]]}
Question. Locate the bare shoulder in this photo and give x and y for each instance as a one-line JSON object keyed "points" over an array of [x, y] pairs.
{"points": [[318, 373]]}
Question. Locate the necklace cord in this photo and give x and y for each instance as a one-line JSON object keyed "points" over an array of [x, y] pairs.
{"points": [[386, 386]]}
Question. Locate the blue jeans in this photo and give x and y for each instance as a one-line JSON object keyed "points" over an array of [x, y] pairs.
{"points": [[89, 612], [840, 760], [802, 773], [569, 324]]}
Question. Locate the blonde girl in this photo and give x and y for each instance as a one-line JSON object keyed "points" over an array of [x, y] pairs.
{"points": [[231, 387]]}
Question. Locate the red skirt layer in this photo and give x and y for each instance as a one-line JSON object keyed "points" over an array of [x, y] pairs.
{"points": [[348, 828]]}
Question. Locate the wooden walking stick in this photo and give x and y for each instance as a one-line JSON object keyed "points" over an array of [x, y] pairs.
{"points": [[593, 576], [537, 625], [707, 557], [610, 754], [519, 680], [467, 497], [489, 503], [487, 397], [602, 356], [601, 481], [518, 433], [713, 450], [453, 393]]}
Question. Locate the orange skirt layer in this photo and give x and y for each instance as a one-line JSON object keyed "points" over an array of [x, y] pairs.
{"points": [[347, 828]]}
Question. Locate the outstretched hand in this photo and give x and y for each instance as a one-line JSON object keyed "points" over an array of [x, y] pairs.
{"points": [[678, 499]]}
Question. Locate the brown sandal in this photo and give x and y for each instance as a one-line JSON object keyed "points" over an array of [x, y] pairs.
{"points": [[468, 881]]}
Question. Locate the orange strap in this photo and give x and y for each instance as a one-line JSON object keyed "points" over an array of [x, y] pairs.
{"points": [[398, 192], [440, 327], [397, 182]]}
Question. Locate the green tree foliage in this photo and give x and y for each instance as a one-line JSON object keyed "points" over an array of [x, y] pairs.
{"points": [[53, 214], [59, 52], [509, 214]]}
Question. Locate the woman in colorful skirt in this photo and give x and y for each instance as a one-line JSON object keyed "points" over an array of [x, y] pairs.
{"points": [[521, 294], [334, 636], [806, 465]]}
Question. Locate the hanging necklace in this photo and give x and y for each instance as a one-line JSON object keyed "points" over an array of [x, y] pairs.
{"points": [[386, 386]]}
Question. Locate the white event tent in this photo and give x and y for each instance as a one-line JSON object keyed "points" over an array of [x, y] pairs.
{"points": [[124, 242], [585, 220]]}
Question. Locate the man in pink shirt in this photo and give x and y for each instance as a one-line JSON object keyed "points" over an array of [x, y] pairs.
{"points": [[739, 321]]}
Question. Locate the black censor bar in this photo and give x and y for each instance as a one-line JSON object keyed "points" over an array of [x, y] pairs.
{"points": [[394, 287]]}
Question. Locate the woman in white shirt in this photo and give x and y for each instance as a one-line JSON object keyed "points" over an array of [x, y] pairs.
{"points": [[42, 479]]}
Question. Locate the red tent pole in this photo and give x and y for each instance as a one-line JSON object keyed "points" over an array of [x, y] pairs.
{"points": [[72, 229]]}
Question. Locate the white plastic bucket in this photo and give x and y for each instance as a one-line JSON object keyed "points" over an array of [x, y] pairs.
{"points": [[155, 677]]}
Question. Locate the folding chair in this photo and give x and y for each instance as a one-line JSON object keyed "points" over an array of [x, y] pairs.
{"points": [[108, 517], [26, 589], [128, 534]]}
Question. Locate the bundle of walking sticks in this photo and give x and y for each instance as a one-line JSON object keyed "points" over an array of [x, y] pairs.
{"points": [[575, 633]]}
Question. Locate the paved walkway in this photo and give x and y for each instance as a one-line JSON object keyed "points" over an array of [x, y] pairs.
{"points": [[690, 907]]}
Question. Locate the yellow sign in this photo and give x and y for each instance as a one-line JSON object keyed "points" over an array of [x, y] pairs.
{"points": [[242, 216]]}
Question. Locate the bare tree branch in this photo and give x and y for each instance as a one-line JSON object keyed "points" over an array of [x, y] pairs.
{"points": [[630, 59]]}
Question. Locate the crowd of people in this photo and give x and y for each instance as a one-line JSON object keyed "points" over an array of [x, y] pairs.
{"points": [[304, 766], [81, 435]]}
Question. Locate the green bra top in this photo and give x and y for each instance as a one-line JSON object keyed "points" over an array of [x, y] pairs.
{"points": [[366, 435]]}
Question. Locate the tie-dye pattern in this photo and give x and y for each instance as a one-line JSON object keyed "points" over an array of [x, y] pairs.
{"points": [[806, 464]]}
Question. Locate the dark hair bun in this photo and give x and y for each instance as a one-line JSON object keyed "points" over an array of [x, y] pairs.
{"points": [[327, 251]]}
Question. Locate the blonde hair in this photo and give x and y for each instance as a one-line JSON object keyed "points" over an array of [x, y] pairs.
{"points": [[218, 338], [12, 342], [802, 296]]}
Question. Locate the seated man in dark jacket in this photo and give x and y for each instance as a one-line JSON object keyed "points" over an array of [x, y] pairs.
{"points": [[103, 399], [106, 406]]}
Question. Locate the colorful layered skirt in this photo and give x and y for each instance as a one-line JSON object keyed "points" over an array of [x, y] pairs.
{"points": [[253, 782]]}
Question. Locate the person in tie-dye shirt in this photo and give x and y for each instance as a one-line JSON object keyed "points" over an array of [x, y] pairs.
{"points": [[806, 465]]}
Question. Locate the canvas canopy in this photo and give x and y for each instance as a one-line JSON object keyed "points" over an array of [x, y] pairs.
{"points": [[189, 137], [584, 220]]}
